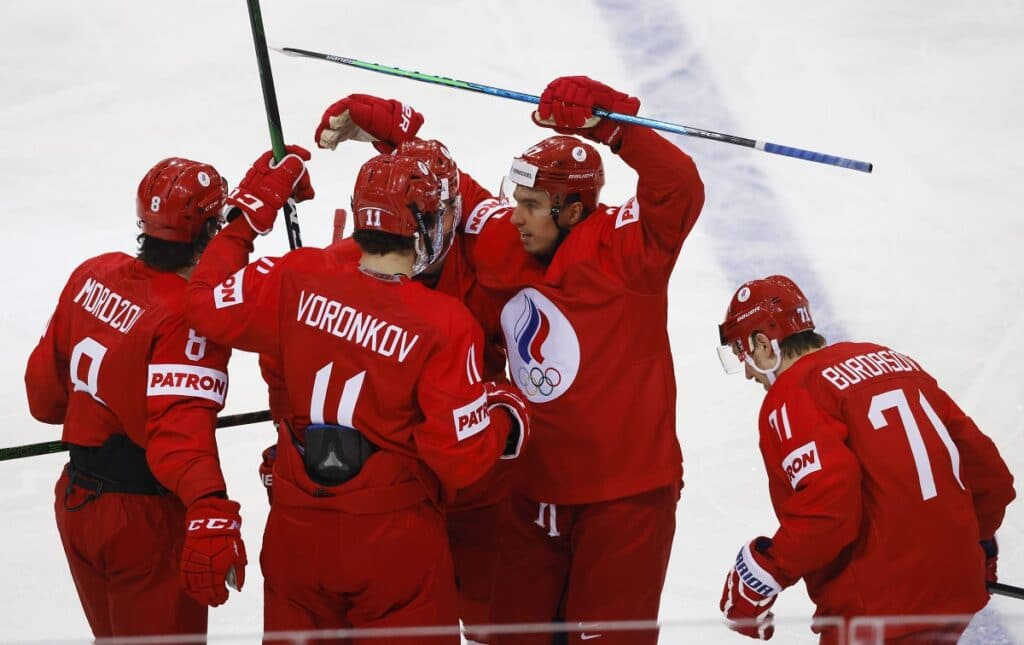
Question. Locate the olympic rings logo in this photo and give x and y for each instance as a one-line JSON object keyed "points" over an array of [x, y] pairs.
{"points": [[536, 380]]}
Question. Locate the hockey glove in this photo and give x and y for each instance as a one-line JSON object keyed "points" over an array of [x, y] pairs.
{"points": [[991, 549], [507, 397], [213, 554], [269, 184], [568, 103], [267, 470], [750, 591], [387, 123]]}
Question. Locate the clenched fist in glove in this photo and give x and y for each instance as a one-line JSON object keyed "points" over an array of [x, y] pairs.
{"points": [[269, 184], [750, 591], [507, 397], [213, 554], [387, 123], [568, 103]]}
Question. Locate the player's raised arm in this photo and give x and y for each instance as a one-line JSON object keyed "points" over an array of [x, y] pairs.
{"points": [[224, 295], [669, 194]]}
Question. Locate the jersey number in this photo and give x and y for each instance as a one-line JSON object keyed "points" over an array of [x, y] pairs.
{"points": [[94, 351], [347, 403], [897, 399]]}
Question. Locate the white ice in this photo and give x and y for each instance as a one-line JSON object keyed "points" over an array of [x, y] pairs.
{"points": [[920, 255]]}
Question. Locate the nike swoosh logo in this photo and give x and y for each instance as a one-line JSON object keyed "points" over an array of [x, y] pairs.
{"points": [[586, 637]]}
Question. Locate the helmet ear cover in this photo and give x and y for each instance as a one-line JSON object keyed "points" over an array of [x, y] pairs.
{"points": [[177, 197]]}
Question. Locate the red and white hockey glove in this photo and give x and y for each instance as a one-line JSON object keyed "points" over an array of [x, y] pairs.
{"points": [[750, 591], [267, 470], [386, 122], [568, 103], [991, 549], [269, 184], [507, 397], [213, 554]]}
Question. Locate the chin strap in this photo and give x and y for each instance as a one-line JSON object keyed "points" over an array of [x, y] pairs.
{"points": [[770, 372]]}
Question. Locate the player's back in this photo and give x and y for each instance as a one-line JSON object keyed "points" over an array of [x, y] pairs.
{"points": [[105, 324], [361, 350], [917, 550]]}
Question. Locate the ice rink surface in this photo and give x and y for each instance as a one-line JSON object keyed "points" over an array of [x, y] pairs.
{"points": [[922, 255]]}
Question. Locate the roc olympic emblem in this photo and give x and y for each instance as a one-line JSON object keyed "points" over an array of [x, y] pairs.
{"points": [[544, 352]]}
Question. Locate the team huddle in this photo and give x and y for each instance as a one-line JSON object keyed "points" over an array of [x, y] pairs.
{"points": [[474, 396]]}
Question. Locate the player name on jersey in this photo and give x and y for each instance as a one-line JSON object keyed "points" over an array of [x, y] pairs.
{"points": [[108, 306], [344, 321], [864, 367]]}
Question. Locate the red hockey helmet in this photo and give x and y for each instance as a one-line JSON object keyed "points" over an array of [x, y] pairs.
{"points": [[561, 166], [438, 159], [177, 197], [773, 306], [400, 195]]}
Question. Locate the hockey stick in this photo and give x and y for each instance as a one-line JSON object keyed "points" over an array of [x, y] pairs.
{"points": [[48, 447], [259, 39], [1006, 590], [774, 148]]}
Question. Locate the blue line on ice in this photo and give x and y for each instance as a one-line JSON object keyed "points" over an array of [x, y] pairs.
{"points": [[751, 233]]}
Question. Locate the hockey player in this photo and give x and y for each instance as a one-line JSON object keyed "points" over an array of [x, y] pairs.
{"points": [[887, 494], [593, 504], [149, 533], [474, 518], [389, 411]]}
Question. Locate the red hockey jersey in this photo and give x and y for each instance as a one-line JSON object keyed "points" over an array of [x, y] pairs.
{"points": [[882, 485], [385, 355], [118, 358], [587, 339]]}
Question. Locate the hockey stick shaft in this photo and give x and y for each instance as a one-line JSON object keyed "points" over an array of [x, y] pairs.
{"points": [[259, 39], [765, 146], [1006, 590], [48, 447]]}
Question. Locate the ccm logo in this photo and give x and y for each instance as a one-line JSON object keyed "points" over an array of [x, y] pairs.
{"points": [[471, 419], [214, 524], [801, 462]]}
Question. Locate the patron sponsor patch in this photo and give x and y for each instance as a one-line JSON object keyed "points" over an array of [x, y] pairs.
{"points": [[171, 379], [801, 462]]}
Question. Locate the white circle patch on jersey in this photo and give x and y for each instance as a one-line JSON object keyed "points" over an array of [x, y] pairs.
{"points": [[543, 350]]}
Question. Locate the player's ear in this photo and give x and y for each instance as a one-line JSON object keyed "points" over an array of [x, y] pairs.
{"points": [[573, 214], [760, 340]]}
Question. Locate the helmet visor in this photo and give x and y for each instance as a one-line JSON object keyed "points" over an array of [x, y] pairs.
{"points": [[732, 356]]}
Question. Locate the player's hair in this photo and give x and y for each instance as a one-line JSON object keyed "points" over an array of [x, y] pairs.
{"points": [[801, 343], [169, 257], [381, 243]]}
